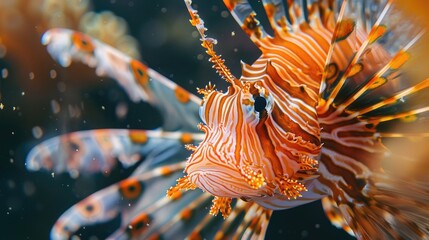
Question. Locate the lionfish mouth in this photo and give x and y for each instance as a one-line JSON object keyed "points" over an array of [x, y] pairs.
{"points": [[219, 183]]}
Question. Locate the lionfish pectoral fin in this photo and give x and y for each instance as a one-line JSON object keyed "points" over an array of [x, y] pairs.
{"points": [[146, 211], [371, 189], [334, 215], [87, 151], [185, 215], [395, 209], [99, 150], [244, 15], [139, 81], [123, 198]]}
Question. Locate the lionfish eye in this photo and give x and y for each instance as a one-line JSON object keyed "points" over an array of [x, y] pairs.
{"points": [[260, 104]]}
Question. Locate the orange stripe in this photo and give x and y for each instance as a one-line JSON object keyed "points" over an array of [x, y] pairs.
{"points": [[238, 133], [268, 147]]}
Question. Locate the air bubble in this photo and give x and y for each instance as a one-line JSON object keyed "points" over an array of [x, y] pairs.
{"points": [[52, 74], [4, 73], [37, 132], [224, 14], [29, 189], [121, 110], [55, 106]]}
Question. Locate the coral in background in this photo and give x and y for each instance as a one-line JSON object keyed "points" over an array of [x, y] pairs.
{"points": [[23, 22]]}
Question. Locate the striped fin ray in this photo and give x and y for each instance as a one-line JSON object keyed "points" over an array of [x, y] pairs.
{"points": [[107, 203], [98, 150], [277, 16], [139, 81], [366, 102], [244, 15], [334, 214], [349, 45], [147, 213], [186, 218], [284, 17], [389, 37]]}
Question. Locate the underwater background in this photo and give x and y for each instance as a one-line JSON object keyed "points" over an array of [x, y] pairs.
{"points": [[39, 99]]}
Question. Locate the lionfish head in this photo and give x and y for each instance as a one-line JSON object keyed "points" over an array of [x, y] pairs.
{"points": [[237, 158], [229, 162]]}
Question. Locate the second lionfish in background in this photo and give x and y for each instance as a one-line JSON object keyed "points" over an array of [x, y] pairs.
{"points": [[310, 119]]}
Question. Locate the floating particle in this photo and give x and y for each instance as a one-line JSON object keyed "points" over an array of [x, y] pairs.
{"points": [[31, 75], [53, 74], [304, 234], [1, 106], [74, 111], [233, 33], [53, 174], [75, 237], [61, 86], [224, 14], [163, 10], [29, 188], [121, 110], [200, 57], [4, 73], [11, 184], [102, 107], [37, 132], [55, 106], [195, 34], [22, 93], [73, 174]]}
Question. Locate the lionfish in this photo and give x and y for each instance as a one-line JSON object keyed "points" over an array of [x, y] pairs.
{"points": [[308, 120]]}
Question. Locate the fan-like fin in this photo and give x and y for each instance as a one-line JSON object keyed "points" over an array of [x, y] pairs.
{"points": [[244, 15], [334, 215], [148, 213], [358, 93], [276, 13], [186, 217], [360, 62], [97, 150], [104, 205], [139, 81]]}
